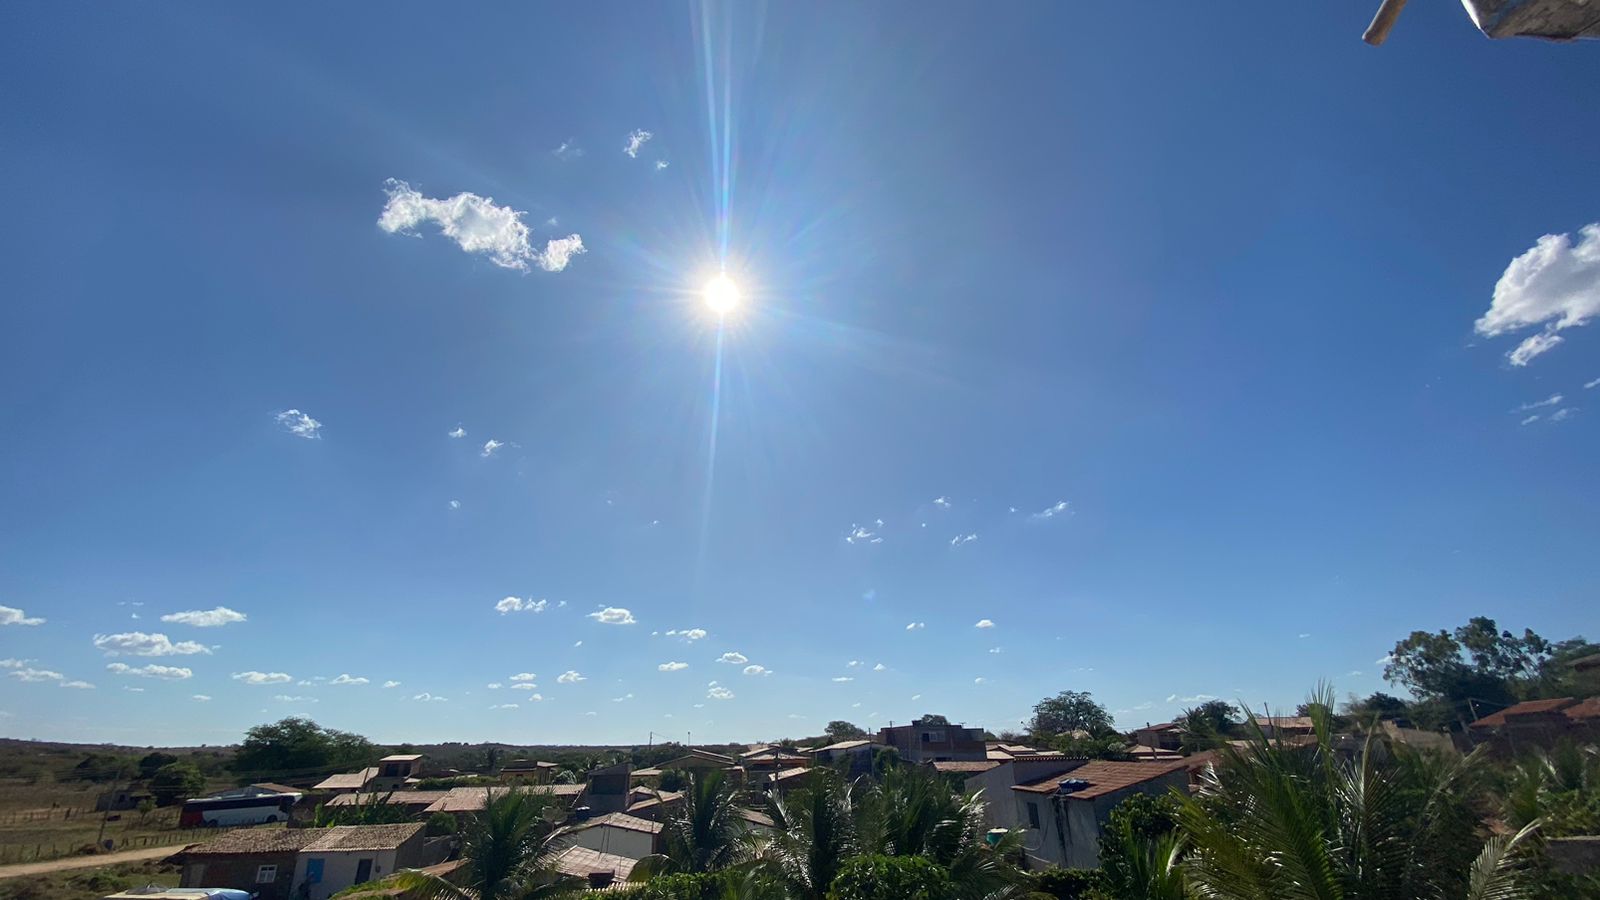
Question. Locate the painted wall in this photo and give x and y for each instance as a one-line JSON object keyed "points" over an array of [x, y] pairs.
{"points": [[620, 841], [339, 869]]}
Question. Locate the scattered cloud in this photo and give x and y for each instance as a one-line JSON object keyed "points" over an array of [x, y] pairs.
{"points": [[1303, 635], [494, 685], [984, 623], [569, 149], [613, 615], [391, 684], [688, 634], [661, 164], [455, 504], [254, 677], [1529, 420], [861, 534], [291, 698], [570, 676], [138, 643], [672, 667], [489, 447], [915, 697], [734, 657], [426, 697], [842, 678], [518, 604], [10, 615], [1552, 400], [524, 676], [624, 697], [960, 539], [879, 667], [133, 690], [1589, 385], [202, 698], [754, 669], [994, 650], [299, 424], [206, 618], [31, 674], [170, 673], [1197, 698], [1555, 283], [458, 432], [1561, 415], [854, 663], [717, 692], [942, 502], [1384, 660], [348, 679], [477, 225], [13, 663], [504, 706], [636, 138], [916, 626], [524, 686], [1059, 508], [980, 680]]}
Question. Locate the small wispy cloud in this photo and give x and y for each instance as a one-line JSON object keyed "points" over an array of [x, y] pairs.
{"points": [[1552, 400], [30, 674], [520, 604], [458, 432], [1059, 508], [623, 698], [391, 684], [10, 615], [569, 149], [1197, 698], [689, 634], [138, 643], [206, 618], [754, 669], [1590, 385], [879, 667], [201, 698], [504, 706], [168, 673], [455, 504], [960, 539], [673, 666], [637, 138], [984, 623], [994, 650], [661, 164], [916, 626], [524, 676], [841, 679], [1529, 420], [718, 692], [477, 225], [570, 676], [942, 502], [253, 677], [1555, 283], [980, 680], [613, 615], [426, 697], [525, 686], [1563, 414], [1303, 635], [298, 424], [733, 657], [490, 447], [291, 698], [350, 679], [861, 534]]}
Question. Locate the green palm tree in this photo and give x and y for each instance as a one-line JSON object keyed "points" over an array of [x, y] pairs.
{"points": [[1282, 822], [913, 812], [706, 833], [509, 852], [1148, 867], [815, 833]]}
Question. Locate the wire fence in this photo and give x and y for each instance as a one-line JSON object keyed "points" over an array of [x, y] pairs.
{"points": [[41, 851]]}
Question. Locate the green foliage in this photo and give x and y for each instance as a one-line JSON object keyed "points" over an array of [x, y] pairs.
{"points": [[1476, 668], [441, 823], [455, 781], [153, 761], [145, 806], [1208, 725], [297, 745], [1131, 832], [374, 810], [891, 878], [1106, 746], [673, 779], [175, 782], [1068, 712], [1070, 884], [681, 886], [840, 730], [931, 719], [1376, 705], [815, 834], [1559, 788], [705, 833]]}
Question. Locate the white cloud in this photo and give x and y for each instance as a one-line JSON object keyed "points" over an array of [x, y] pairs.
{"points": [[10, 615], [960, 539], [628, 696], [138, 643], [170, 673], [253, 677], [518, 604], [613, 615], [459, 432], [569, 149], [688, 634], [494, 685], [505, 706], [1552, 400], [205, 618], [1384, 660], [426, 697], [915, 697], [754, 669], [31, 674], [391, 684], [489, 447], [661, 164], [942, 502], [734, 657], [577, 643], [636, 139], [1587, 385], [299, 424], [916, 626], [1050, 512], [719, 693], [995, 650], [979, 680], [1303, 635], [879, 667], [477, 225], [1529, 420], [13, 663], [455, 504], [524, 676], [347, 679], [984, 623], [1197, 698], [133, 690], [860, 534], [853, 664], [1561, 415], [841, 679], [525, 686], [1556, 283], [672, 666], [203, 698], [292, 698], [569, 677]]}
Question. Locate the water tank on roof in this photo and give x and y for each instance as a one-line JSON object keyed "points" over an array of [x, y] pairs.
{"points": [[1071, 785]]}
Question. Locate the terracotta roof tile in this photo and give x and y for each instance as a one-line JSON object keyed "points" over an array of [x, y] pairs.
{"points": [[1527, 708], [346, 781], [583, 862], [1588, 709], [363, 837], [966, 767], [623, 821], [1104, 777], [256, 840]]}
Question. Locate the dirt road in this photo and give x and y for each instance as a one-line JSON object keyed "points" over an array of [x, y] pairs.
{"points": [[87, 862]]}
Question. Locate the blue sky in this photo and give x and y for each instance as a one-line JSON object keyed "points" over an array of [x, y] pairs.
{"points": [[1197, 329]]}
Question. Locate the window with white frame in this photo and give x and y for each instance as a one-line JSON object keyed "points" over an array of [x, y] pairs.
{"points": [[266, 874]]}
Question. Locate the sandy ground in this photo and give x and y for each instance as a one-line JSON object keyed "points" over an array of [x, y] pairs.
{"points": [[87, 862]]}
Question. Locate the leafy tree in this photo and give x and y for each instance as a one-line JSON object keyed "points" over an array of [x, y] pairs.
{"points": [[931, 719], [441, 823], [1207, 725], [150, 762], [1475, 664], [913, 812], [1133, 856], [299, 745], [374, 810], [840, 730], [1070, 711], [705, 833], [1376, 705], [891, 878], [1070, 884], [1108, 746], [673, 779], [176, 781], [145, 807]]}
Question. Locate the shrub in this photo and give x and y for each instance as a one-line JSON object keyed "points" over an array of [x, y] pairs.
{"points": [[682, 886], [441, 823], [891, 878], [1070, 884]]}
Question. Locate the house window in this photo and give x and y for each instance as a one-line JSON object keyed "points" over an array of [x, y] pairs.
{"points": [[933, 737], [266, 874], [1033, 815]]}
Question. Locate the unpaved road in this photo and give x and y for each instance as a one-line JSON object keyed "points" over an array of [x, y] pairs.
{"points": [[87, 862]]}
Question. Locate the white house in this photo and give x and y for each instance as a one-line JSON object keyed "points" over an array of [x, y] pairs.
{"points": [[355, 854], [619, 834], [1062, 813]]}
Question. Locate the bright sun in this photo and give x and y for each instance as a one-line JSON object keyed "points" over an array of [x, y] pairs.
{"points": [[721, 294]]}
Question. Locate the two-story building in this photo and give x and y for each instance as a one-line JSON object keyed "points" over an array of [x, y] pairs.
{"points": [[923, 741]]}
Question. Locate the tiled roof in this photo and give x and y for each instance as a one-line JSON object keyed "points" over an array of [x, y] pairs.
{"points": [[473, 799], [1162, 726], [1588, 709], [402, 757], [756, 818], [583, 862], [363, 837], [843, 745], [661, 798], [1104, 777], [1285, 722], [965, 767], [346, 781], [787, 774], [399, 798], [623, 821], [277, 788], [646, 773], [1528, 708], [256, 840]]}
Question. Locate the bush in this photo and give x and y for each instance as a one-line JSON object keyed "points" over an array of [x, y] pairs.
{"points": [[175, 782], [441, 823], [683, 886], [1070, 884], [891, 878]]}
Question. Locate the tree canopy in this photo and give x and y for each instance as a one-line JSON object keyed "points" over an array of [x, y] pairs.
{"points": [[840, 730], [1070, 711], [176, 781], [1478, 668], [300, 745]]}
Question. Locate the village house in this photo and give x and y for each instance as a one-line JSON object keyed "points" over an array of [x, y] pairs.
{"points": [[602, 870], [1286, 727], [536, 771], [1539, 723], [346, 782], [919, 742], [348, 855], [620, 834], [1165, 736], [259, 860], [855, 756], [1063, 813], [416, 803]]}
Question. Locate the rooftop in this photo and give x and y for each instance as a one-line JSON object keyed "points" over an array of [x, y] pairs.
{"points": [[1104, 777], [623, 821], [362, 837], [255, 840], [1527, 708], [346, 781], [473, 799], [583, 862], [844, 745], [402, 757], [400, 798], [965, 767]]}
